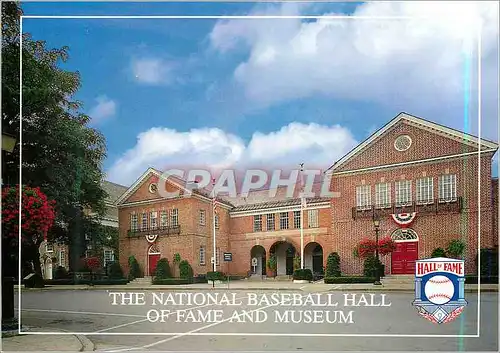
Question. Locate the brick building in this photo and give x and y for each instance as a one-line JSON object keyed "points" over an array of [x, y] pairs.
{"points": [[411, 168]]}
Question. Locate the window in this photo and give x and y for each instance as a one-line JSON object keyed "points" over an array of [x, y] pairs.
{"points": [[133, 222], [425, 191], [202, 218], [363, 197], [312, 219], [402, 143], [62, 258], [153, 220], [144, 224], [271, 224], [49, 247], [296, 219], [202, 255], [383, 195], [109, 256], [216, 221], [403, 193], [284, 220], [257, 223], [174, 217], [447, 188], [88, 253], [163, 218]]}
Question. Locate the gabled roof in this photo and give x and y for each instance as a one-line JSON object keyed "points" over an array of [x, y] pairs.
{"points": [[113, 190], [422, 123], [172, 180]]}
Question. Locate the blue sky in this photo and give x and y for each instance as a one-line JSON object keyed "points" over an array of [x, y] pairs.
{"points": [[240, 92]]}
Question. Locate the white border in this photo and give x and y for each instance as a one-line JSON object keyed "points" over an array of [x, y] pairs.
{"points": [[479, 33]]}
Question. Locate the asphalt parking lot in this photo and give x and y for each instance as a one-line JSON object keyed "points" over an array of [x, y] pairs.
{"points": [[258, 324]]}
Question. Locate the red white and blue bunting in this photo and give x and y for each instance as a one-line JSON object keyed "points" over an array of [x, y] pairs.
{"points": [[151, 237], [404, 219]]}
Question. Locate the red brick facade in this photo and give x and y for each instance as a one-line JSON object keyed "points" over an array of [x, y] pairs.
{"points": [[338, 223]]}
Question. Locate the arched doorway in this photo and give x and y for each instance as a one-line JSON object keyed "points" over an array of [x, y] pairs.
{"points": [[404, 257], [153, 257], [259, 253], [313, 257], [48, 268], [284, 252]]}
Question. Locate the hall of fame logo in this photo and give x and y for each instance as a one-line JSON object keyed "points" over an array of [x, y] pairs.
{"points": [[439, 289]]}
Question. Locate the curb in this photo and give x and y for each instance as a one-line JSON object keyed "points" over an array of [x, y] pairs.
{"points": [[87, 344]]}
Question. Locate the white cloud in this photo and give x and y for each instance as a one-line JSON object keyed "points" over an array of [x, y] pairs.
{"points": [[151, 70], [105, 108], [413, 65], [215, 149]]}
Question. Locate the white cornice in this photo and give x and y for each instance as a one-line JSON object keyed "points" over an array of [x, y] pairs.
{"points": [[263, 211]]}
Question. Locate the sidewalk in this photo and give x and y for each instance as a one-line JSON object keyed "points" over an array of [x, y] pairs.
{"points": [[263, 286], [13, 342]]}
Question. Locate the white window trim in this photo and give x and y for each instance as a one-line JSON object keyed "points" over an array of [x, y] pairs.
{"points": [[443, 198], [62, 258], [217, 224], [163, 218], [134, 222], [257, 220], [112, 259], [403, 185], [363, 197], [202, 218], [425, 186], [313, 218], [382, 198], [202, 255], [174, 215], [153, 218], [269, 217], [284, 219], [49, 247], [296, 220]]}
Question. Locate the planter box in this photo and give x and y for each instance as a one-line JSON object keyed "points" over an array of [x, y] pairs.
{"points": [[300, 281]]}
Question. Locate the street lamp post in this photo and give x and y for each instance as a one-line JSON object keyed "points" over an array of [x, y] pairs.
{"points": [[376, 224]]}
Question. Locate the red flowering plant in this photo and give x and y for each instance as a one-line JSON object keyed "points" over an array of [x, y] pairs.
{"points": [[386, 246], [37, 214], [368, 247]]}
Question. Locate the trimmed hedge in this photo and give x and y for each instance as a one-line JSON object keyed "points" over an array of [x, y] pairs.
{"points": [[303, 274], [350, 279], [484, 279], [371, 266], [162, 270], [61, 273], [185, 270], [135, 269], [216, 276], [115, 271], [200, 279], [172, 281], [333, 265], [66, 281]]}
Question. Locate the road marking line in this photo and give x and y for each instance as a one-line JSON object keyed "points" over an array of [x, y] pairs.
{"points": [[138, 321], [81, 312], [189, 332]]}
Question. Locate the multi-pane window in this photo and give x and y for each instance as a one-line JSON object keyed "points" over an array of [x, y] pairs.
{"points": [[284, 220], [153, 219], [174, 217], [109, 256], [382, 195], [257, 223], [202, 255], [133, 222], [202, 218], [62, 258], [49, 247], [163, 218], [216, 221], [447, 188], [363, 197], [270, 221], [403, 193], [312, 219], [144, 224], [296, 219], [425, 191]]}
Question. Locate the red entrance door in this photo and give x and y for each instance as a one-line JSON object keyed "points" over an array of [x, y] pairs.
{"points": [[153, 261], [404, 258]]}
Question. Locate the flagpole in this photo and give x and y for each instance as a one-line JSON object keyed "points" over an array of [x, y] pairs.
{"points": [[213, 229], [301, 217]]}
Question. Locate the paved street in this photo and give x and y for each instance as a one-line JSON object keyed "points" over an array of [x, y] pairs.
{"points": [[92, 313]]}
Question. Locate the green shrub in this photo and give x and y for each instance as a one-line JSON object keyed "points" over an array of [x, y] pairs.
{"points": [[134, 268], [296, 262], [303, 274], [438, 252], [489, 262], [172, 281], [200, 279], [60, 273], [216, 276], [272, 264], [371, 266], [455, 248], [115, 271], [177, 258], [162, 269], [349, 279], [185, 269], [70, 281], [333, 265]]}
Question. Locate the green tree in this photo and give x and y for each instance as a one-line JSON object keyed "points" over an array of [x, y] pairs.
{"points": [[61, 154], [333, 265]]}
